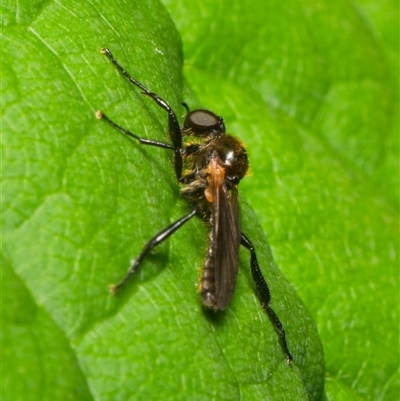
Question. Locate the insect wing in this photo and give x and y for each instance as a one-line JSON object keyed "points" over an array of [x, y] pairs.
{"points": [[225, 226]]}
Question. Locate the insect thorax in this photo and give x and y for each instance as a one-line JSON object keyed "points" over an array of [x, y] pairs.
{"points": [[225, 150]]}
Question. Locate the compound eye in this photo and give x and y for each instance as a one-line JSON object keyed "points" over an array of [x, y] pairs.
{"points": [[203, 122], [200, 118]]}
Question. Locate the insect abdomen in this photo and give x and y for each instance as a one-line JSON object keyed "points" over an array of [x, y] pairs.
{"points": [[207, 285]]}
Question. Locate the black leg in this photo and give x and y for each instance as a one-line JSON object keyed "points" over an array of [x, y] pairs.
{"points": [[156, 240], [264, 296], [144, 141], [174, 128]]}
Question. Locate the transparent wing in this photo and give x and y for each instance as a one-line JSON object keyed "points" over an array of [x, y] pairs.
{"points": [[226, 234]]}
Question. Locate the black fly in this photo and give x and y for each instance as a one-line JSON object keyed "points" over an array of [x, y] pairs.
{"points": [[209, 170]]}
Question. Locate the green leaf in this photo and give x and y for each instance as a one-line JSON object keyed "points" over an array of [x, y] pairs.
{"points": [[79, 205], [309, 89], [81, 201]]}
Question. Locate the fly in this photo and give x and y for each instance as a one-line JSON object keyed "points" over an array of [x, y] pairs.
{"points": [[209, 170]]}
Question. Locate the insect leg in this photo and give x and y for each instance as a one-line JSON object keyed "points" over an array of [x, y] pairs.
{"points": [[156, 240], [174, 128], [264, 296], [100, 115]]}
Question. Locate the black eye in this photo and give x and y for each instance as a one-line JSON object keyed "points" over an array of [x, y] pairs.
{"points": [[203, 122]]}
